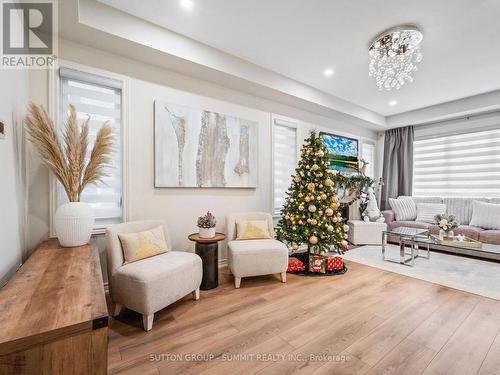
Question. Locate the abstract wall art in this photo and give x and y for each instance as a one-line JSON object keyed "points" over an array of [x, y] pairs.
{"points": [[201, 148]]}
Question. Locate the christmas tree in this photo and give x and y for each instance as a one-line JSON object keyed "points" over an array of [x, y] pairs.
{"points": [[311, 212]]}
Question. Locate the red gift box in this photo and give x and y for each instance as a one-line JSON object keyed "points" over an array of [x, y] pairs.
{"points": [[295, 265], [334, 263]]}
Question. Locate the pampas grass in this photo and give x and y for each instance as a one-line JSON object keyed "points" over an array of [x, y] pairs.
{"points": [[67, 160]]}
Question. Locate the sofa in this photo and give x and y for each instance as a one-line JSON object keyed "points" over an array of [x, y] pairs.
{"points": [[461, 208]]}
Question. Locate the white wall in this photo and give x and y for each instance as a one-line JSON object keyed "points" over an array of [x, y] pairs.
{"points": [[180, 207], [13, 102]]}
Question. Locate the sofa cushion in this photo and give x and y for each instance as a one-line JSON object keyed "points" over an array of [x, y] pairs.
{"points": [[248, 247], [138, 246], [485, 215], [409, 224], [427, 211], [154, 283], [404, 208], [461, 208], [490, 236], [427, 199]]}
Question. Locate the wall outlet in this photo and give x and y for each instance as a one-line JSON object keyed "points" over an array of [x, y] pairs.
{"points": [[2, 130]]}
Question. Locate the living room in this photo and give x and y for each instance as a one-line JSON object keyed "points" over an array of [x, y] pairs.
{"points": [[250, 187]]}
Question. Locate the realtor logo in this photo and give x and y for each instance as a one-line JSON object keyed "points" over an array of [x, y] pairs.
{"points": [[28, 34]]}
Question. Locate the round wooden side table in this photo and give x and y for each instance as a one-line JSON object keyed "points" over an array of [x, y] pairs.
{"points": [[208, 250]]}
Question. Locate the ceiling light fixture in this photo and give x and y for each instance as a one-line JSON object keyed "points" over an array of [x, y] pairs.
{"points": [[394, 56], [392, 103], [188, 4], [328, 72]]}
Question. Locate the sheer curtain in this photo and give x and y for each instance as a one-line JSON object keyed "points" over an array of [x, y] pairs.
{"points": [[397, 172]]}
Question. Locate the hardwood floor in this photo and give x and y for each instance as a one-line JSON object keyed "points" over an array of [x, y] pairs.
{"points": [[368, 321]]}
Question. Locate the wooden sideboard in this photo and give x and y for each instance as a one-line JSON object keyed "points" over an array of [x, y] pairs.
{"points": [[54, 318]]}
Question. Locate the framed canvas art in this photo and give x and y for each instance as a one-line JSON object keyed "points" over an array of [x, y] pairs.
{"points": [[200, 148], [343, 152]]}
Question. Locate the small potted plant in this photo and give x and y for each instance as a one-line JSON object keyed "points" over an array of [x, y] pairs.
{"points": [[447, 225], [206, 225]]}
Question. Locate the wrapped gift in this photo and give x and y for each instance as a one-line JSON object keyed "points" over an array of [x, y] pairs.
{"points": [[295, 265], [317, 263], [334, 263]]}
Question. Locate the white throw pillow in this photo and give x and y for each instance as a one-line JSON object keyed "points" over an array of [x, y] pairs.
{"points": [[485, 215], [404, 208], [427, 211]]}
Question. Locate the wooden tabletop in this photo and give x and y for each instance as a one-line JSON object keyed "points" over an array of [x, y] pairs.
{"points": [[57, 291], [218, 237]]}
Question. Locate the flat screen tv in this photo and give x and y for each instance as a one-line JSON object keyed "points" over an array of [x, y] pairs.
{"points": [[343, 152]]}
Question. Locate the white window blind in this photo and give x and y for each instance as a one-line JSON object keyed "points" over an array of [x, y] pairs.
{"points": [[368, 155], [285, 161], [99, 99], [463, 165]]}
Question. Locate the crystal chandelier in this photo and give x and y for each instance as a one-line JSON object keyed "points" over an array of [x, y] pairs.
{"points": [[394, 56]]}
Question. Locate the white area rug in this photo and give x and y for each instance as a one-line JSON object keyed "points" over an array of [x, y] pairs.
{"points": [[467, 274]]}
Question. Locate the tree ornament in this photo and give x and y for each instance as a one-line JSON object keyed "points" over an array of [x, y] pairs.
{"points": [[315, 167], [314, 222], [313, 240], [311, 186], [320, 153], [307, 199], [297, 179], [328, 182], [301, 195], [323, 196], [334, 206], [312, 208], [329, 212], [329, 228], [346, 228], [301, 208], [318, 198], [295, 247]]}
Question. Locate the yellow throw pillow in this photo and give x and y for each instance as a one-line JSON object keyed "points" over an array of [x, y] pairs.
{"points": [[137, 246], [252, 230]]}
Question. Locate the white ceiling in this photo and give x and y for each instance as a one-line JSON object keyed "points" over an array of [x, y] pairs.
{"points": [[299, 39]]}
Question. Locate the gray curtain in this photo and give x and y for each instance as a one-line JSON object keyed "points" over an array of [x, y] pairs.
{"points": [[397, 172]]}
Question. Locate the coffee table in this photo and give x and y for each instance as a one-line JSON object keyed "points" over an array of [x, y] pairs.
{"points": [[412, 236]]}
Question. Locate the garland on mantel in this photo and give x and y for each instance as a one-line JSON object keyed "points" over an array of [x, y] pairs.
{"points": [[352, 186]]}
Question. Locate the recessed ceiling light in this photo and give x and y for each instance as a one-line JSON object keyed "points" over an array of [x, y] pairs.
{"points": [[328, 72], [188, 4], [392, 103]]}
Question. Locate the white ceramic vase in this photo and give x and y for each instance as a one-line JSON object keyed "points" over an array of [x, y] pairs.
{"points": [[73, 223], [206, 232]]}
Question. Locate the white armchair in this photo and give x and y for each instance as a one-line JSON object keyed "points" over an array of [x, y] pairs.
{"points": [[150, 284], [254, 257]]}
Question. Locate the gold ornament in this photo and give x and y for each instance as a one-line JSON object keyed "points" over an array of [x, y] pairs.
{"points": [[329, 228], [314, 222], [307, 199], [312, 208], [295, 247], [334, 206], [297, 178], [313, 240], [301, 222], [310, 186], [328, 182], [329, 212], [301, 195], [301, 208], [323, 196], [315, 167]]}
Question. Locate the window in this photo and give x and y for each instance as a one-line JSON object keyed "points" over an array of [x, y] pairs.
{"points": [[464, 165], [284, 160], [368, 155], [100, 99]]}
